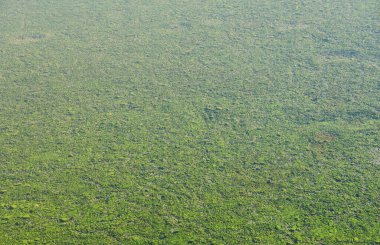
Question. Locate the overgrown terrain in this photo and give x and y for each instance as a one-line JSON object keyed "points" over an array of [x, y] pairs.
{"points": [[175, 121]]}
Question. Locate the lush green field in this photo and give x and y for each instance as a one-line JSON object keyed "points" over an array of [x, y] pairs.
{"points": [[176, 121]]}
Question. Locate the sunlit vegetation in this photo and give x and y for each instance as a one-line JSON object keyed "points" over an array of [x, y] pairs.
{"points": [[204, 122]]}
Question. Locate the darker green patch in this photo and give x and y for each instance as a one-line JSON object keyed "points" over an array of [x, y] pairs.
{"points": [[344, 53], [38, 36]]}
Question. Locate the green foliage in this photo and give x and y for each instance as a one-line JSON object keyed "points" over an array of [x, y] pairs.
{"points": [[199, 122]]}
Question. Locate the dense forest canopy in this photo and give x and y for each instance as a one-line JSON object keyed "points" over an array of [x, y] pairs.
{"points": [[174, 122]]}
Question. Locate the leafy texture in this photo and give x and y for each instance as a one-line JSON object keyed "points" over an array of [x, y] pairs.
{"points": [[173, 122]]}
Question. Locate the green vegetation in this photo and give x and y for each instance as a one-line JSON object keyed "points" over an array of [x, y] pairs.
{"points": [[174, 122]]}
